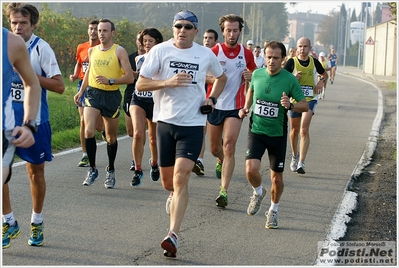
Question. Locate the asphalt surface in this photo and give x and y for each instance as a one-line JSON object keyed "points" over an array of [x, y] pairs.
{"points": [[124, 226]]}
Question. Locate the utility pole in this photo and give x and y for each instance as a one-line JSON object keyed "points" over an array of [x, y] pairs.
{"points": [[361, 39], [346, 34], [243, 16]]}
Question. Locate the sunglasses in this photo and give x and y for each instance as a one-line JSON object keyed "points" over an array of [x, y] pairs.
{"points": [[186, 26]]}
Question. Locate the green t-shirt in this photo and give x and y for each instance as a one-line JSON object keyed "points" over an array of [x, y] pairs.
{"points": [[268, 115]]}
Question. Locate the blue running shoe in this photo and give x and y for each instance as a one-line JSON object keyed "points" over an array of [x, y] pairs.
{"points": [[10, 232], [36, 235], [109, 182], [154, 172], [138, 175], [91, 177]]}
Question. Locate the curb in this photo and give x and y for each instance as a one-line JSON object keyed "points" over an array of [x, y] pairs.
{"points": [[349, 198]]}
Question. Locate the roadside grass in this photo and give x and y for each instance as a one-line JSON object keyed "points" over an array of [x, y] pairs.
{"points": [[392, 85], [64, 118]]}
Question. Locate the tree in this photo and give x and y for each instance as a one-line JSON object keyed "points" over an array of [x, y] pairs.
{"points": [[328, 35], [272, 23], [392, 8], [353, 17]]}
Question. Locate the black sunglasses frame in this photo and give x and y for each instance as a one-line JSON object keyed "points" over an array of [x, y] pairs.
{"points": [[186, 26]]}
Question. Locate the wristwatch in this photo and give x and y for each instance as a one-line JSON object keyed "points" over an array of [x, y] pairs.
{"points": [[31, 124], [214, 100], [111, 81], [291, 106]]}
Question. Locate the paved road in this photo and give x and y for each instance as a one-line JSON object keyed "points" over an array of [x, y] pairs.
{"points": [[124, 226]]}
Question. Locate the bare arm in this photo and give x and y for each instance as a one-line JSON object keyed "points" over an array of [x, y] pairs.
{"points": [[210, 79], [54, 84], [76, 72], [301, 106], [19, 58], [243, 112], [128, 76], [178, 80]]}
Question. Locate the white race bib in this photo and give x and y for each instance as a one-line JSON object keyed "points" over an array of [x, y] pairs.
{"points": [[184, 67], [307, 91], [17, 92], [266, 109]]}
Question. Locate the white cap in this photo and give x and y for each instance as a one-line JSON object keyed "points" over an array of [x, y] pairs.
{"points": [[322, 54], [250, 42]]}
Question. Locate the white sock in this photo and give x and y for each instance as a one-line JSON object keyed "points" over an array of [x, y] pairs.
{"points": [[273, 206], [9, 218], [258, 190], [36, 218], [201, 160], [84, 154]]}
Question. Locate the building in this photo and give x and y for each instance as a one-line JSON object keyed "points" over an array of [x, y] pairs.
{"points": [[303, 24]]}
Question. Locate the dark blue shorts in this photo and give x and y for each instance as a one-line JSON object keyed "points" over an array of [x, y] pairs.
{"points": [[217, 116], [147, 106], [40, 151], [312, 106], [83, 95]]}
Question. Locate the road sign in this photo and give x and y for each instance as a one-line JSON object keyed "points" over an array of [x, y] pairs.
{"points": [[370, 41]]}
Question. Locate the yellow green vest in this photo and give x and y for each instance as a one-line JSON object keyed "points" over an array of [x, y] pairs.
{"points": [[308, 75], [104, 63]]}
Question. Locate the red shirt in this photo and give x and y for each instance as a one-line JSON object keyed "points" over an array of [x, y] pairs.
{"points": [[82, 56]]}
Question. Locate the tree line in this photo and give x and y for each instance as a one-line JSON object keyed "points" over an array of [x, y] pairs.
{"points": [[64, 25]]}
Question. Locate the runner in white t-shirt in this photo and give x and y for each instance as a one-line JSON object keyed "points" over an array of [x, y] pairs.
{"points": [[176, 71]]}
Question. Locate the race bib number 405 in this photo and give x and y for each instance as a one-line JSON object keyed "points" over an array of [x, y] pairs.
{"points": [[185, 67], [17, 92], [266, 109]]}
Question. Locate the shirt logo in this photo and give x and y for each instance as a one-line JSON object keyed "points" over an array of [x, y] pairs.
{"points": [[184, 65], [240, 65]]}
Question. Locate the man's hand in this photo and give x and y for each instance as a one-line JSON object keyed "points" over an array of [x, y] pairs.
{"points": [[179, 80], [24, 136], [243, 112], [285, 101]]}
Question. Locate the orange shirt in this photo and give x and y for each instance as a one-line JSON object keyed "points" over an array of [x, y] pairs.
{"points": [[83, 58]]}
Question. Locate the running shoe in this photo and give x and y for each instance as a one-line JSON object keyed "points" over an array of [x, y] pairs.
{"points": [[36, 235], [254, 204], [332, 81], [132, 167], [301, 168], [170, 244], [221, 200], [199, 168], [10, 232], [138, 175], [84, 162], [91, 177], [294, 162], [110, 181], [154, 172], [219, 169], [271, 219], [168, 201], [103, 135]]}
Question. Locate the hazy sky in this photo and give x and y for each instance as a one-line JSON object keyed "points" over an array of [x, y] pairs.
{"points": [[324, 7]]}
